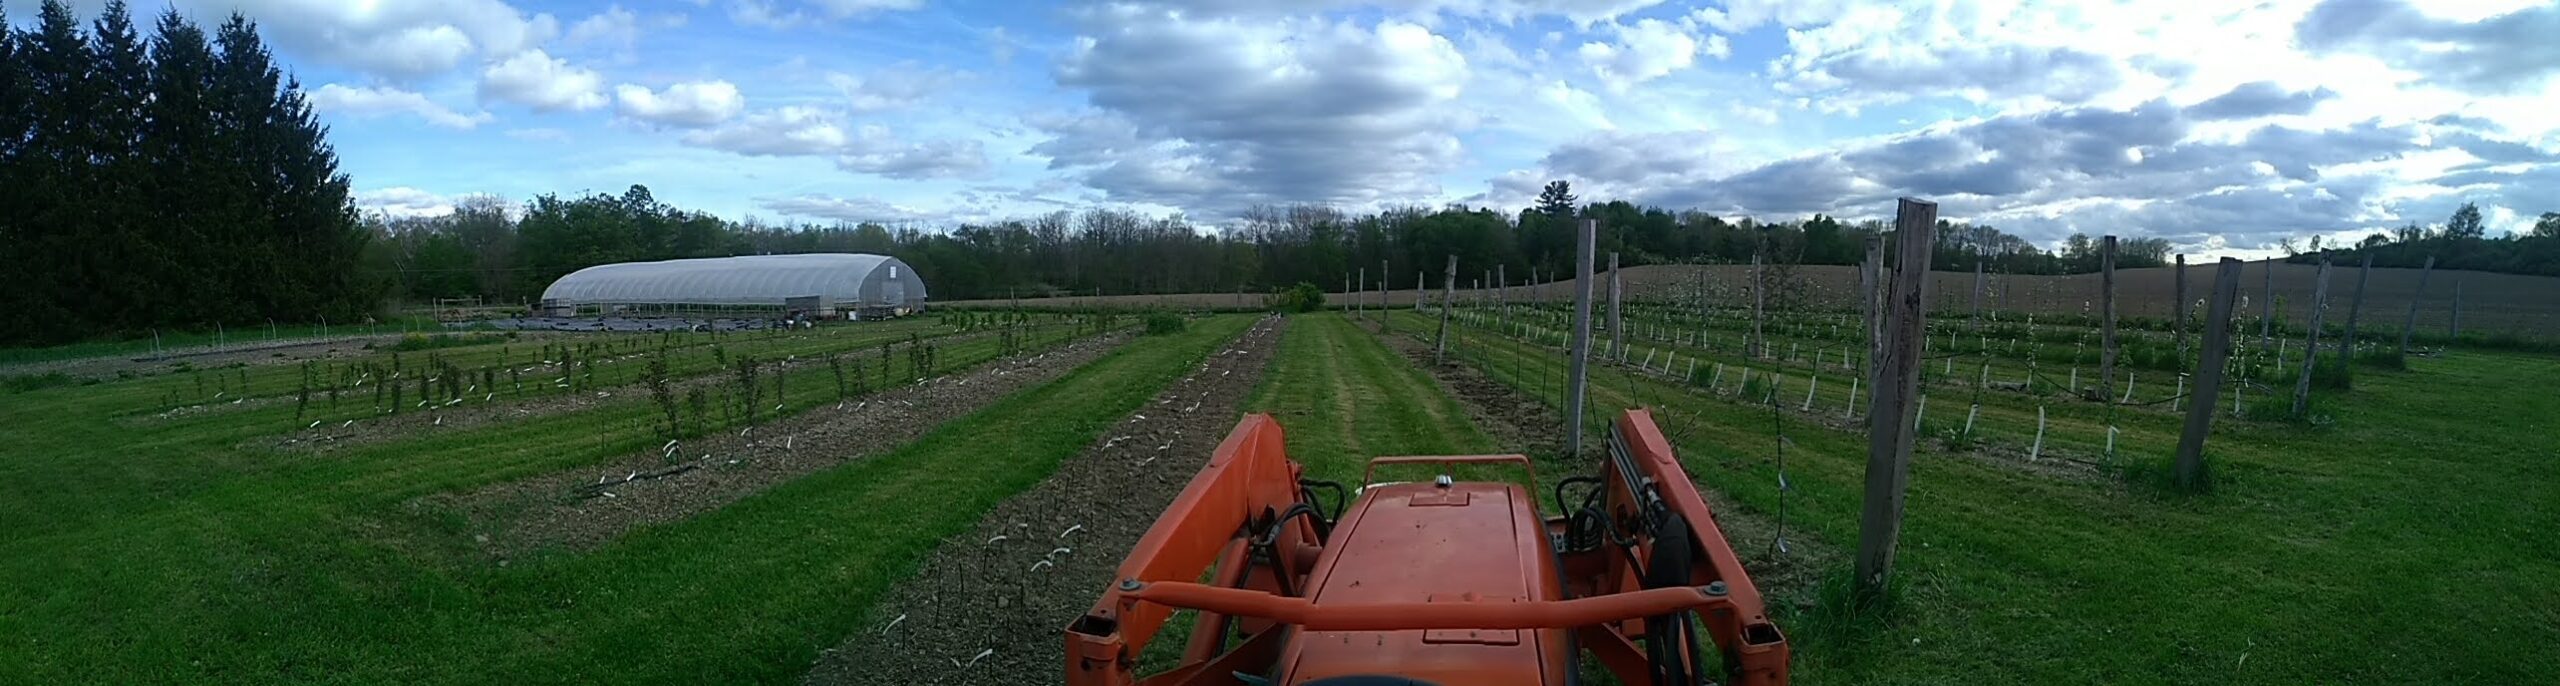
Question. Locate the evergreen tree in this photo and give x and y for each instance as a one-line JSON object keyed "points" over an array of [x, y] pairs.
{"points": [[179, 140], [121, 275], [15, 109], [1556, 200], [54, 173]]}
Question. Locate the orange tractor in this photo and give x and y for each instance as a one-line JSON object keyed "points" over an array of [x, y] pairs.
{"points": [[1441, 582]]}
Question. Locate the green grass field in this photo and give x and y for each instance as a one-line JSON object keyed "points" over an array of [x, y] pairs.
{"points": [[2406, 541], [181, 552]]}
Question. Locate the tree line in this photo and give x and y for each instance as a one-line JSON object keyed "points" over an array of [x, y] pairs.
{"points": [[179, 181], [2461, 242], [489, 250]]}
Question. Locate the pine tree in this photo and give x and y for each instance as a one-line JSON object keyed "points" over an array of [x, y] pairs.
{"points": [[179, 140], [53, 175], [120, 275], [14, 112], [1556, 200]]}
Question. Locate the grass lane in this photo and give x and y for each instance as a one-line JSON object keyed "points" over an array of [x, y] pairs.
{"points": [[1343, 398], [316, 573], [2319, 557]]}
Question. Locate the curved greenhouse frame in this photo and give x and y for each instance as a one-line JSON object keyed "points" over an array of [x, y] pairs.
{"points": [[814, 283]]}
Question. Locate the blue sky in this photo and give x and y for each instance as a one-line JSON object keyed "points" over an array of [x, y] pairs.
{"points": [[2221, 126]]}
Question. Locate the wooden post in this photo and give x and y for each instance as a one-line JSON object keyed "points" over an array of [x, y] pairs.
{"points": [[1977, 293], [1871, 281], [1617, 319], [2414, 298], [2452, 331], [1382, 293], [1581, 370], [1503, 283], [2347, 342], [2217, 351], [1448, 300], [2178, 311], [1890, 423], [1357, 307], [1757, 346], [2267, 324], [2311, 340], [2106, 317]]}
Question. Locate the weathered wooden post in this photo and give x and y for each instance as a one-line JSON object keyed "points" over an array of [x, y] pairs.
{"points": [[1504, 280], [1890, 420], [1448, 301], [2347, 342], [2178, 310], [2267, 324], [1581, 370], [1977, 292], [2414, 298], [1871, 280], [1617, 321], [2106, 317], [1382, 292], [2311, 340], [2452, 330], [1357, 307], [1757, 346], [2217, 352]]}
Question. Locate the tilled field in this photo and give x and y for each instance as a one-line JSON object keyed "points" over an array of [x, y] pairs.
{"points": [[584, 507], [988, 607]]}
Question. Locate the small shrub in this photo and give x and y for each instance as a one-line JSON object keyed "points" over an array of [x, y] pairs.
{"points": [[1304, 297], [21, 383], [1164, 323]]}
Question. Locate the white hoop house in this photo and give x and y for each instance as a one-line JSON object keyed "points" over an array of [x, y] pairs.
{"points": [[820, 283]]}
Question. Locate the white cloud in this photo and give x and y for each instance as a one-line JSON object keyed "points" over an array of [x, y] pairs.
{"points": [[403, 201], [536, 79], [615, 28], [800, 131], [1646, 50], [1219, 114], [367, 102], [692, 104], [398, 39], [772, 14], [891, 88], [857, 210]]}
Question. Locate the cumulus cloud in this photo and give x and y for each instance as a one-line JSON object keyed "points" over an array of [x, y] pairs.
{"points": [[2513, 51], [895, 87], [800, 131], [693, 104], [784, 14], [369, 102], [403, 201], [1643, 51], [2086, 169], [855, 210], [545, 83], [2258, 99], [397, 39], [1218, 114]]}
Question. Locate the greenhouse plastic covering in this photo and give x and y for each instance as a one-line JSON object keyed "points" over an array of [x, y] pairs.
{"points": [[847, 279]]}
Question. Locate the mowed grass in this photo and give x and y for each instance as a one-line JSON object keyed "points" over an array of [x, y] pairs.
{"points": [[2407, 542], [1342, 398], [209, 561]]}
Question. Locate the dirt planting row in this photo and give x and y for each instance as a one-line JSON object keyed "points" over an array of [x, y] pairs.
{"points": [[988, 606], [583, 507]]}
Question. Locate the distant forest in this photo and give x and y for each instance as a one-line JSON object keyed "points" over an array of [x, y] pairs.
{"points": [[489, 249], [179, 182]]}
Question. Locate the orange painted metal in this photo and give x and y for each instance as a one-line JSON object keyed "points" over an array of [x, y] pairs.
{"points": [[1449, 584], [1471, 613], [1370, 475]]}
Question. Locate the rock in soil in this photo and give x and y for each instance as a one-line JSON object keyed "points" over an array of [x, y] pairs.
{"points": [[1015, 595], [587, 506]]}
